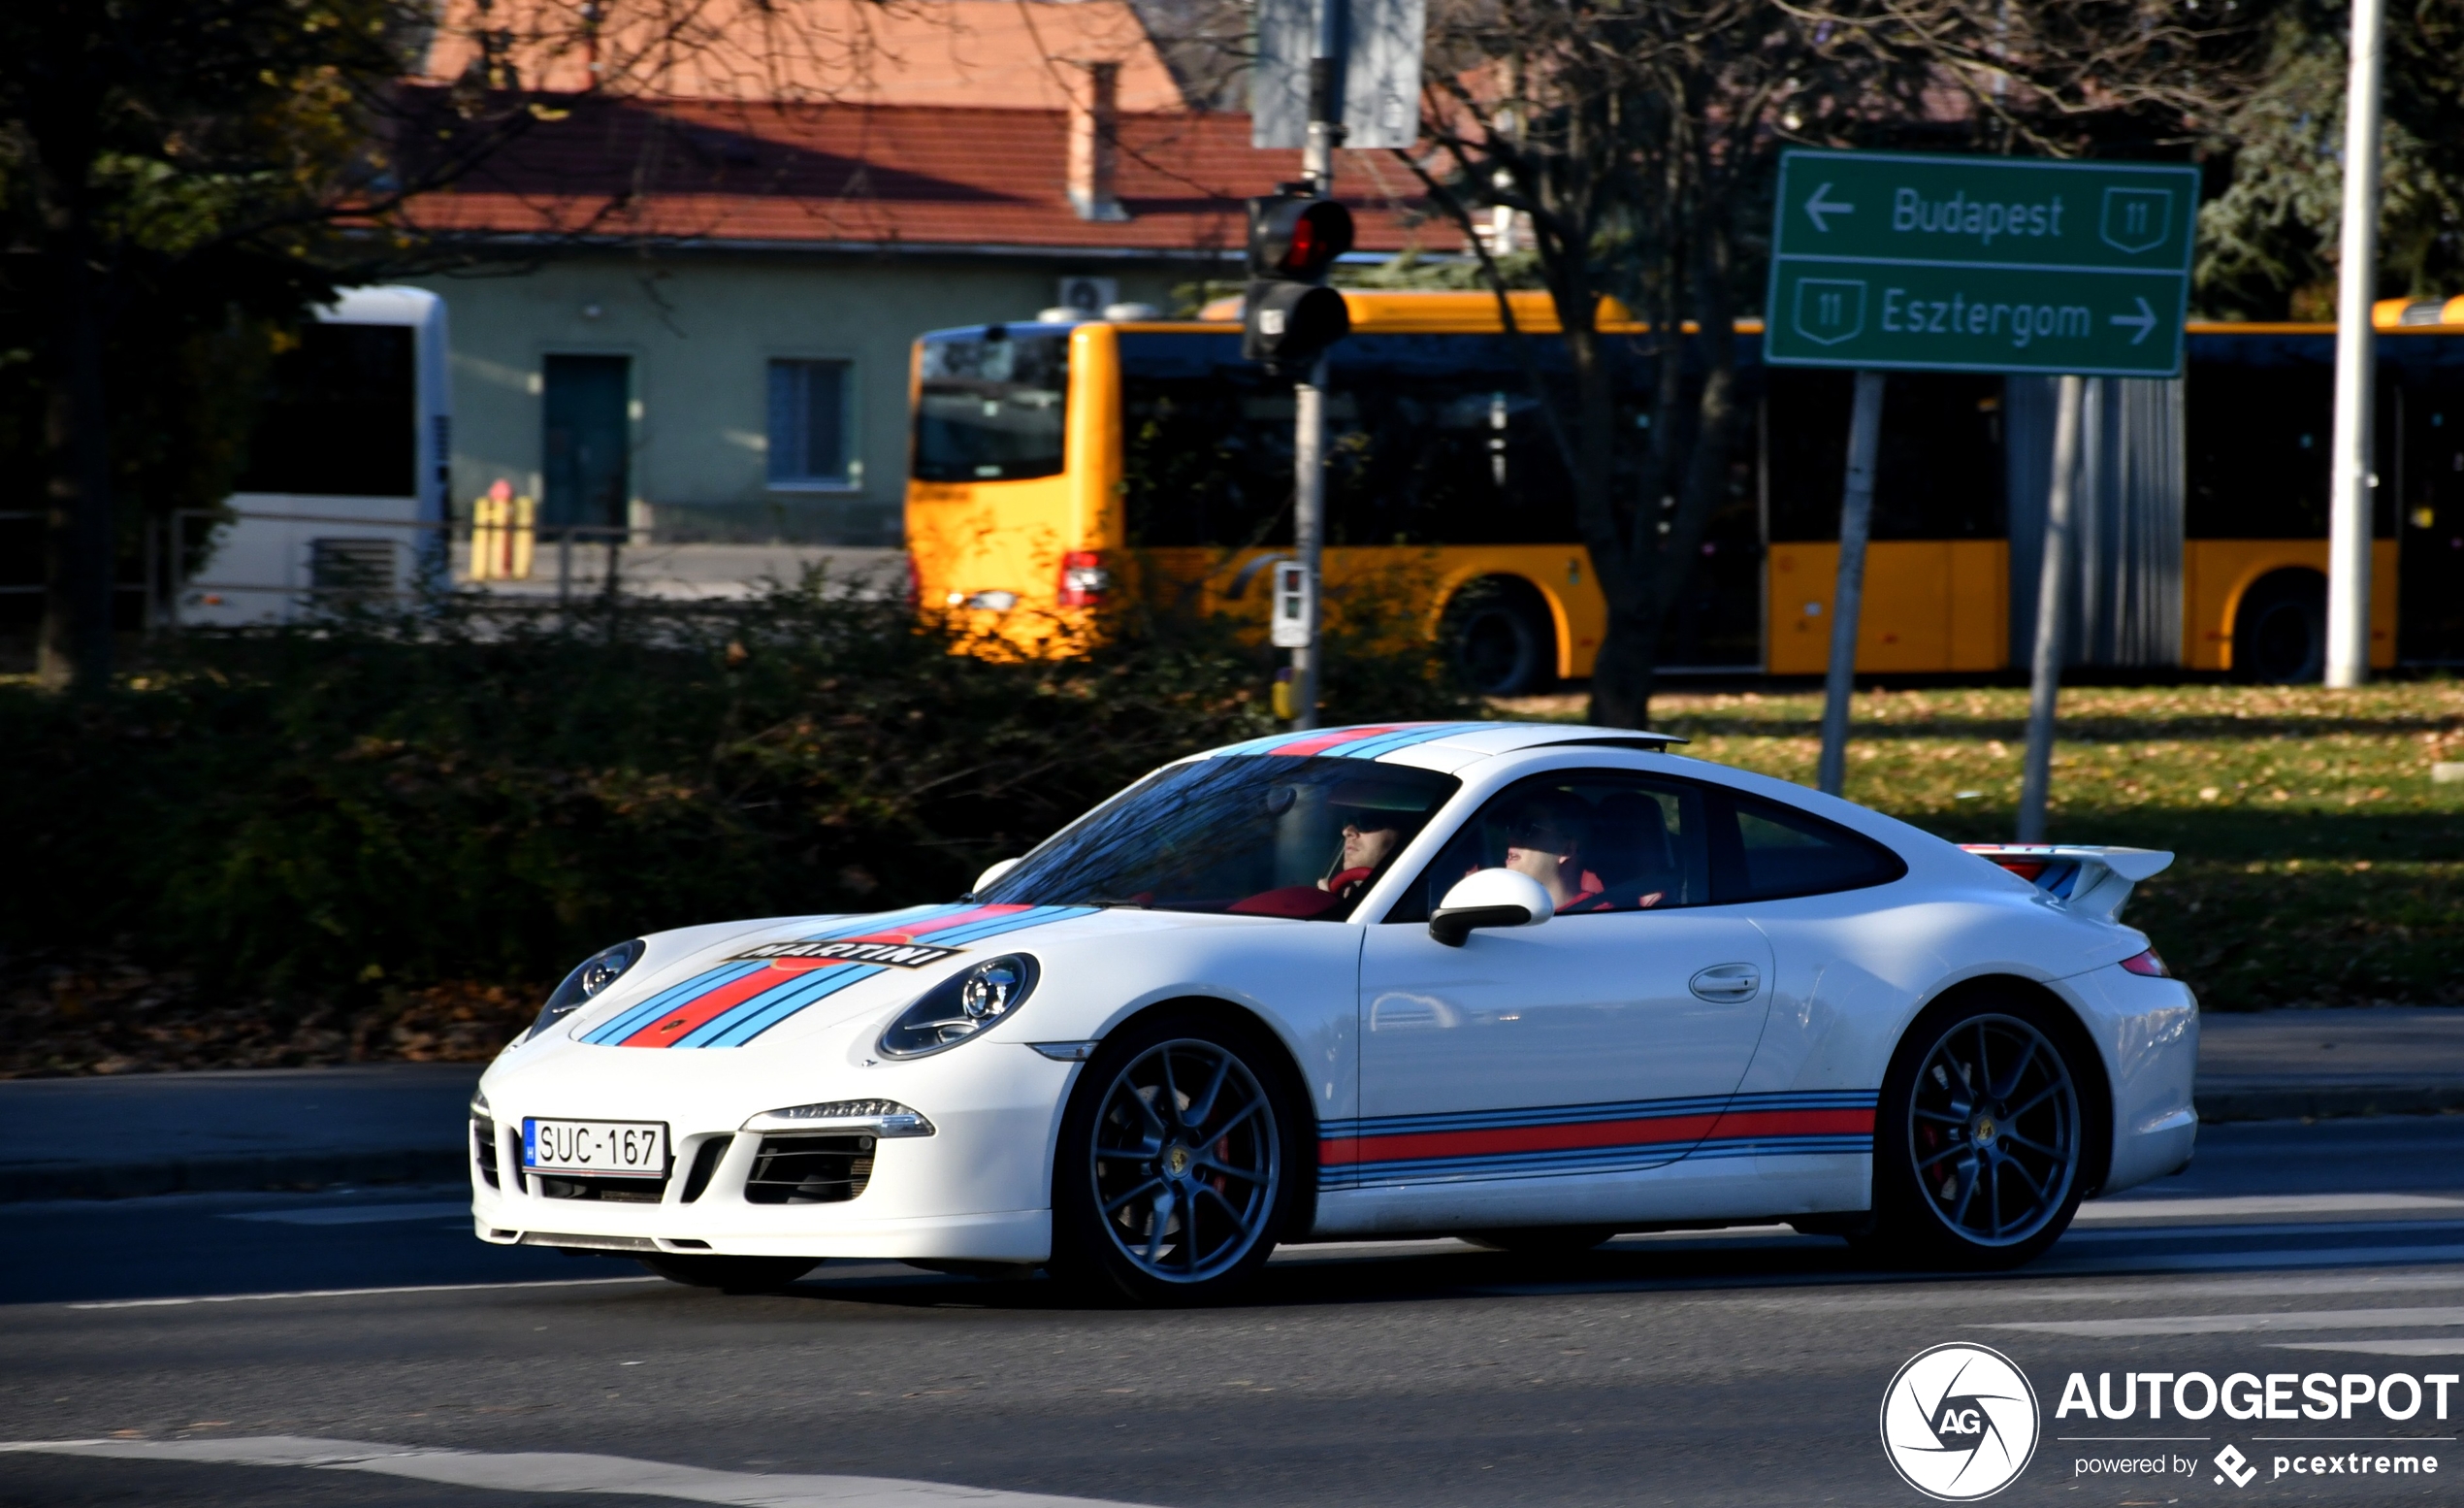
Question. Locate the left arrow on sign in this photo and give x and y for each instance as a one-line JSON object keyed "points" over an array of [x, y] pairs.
{"points": [[1816, 206], [2145, 319]]}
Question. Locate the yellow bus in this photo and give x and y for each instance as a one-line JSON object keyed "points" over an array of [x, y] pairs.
{"points": [[1055, 466]]}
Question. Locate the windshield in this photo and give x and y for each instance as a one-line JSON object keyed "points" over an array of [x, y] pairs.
{"points": [[1250, 835], [991, 407]]}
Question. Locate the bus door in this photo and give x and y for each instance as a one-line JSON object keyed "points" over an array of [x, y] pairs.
{"points": [[2430, 502]]}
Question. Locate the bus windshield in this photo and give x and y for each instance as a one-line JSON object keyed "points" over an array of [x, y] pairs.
{"points": [[991, 406], [1250, 835]]}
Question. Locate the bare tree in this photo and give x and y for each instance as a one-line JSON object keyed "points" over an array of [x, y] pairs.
{"points": [[1639, 138], [197, 164]]}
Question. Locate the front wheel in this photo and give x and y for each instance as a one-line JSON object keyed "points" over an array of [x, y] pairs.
{"points": [[1981, 1137], [1177, 1161]]}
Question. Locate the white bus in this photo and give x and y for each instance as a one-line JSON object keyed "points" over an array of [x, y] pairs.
{"points": [[344, 495]]}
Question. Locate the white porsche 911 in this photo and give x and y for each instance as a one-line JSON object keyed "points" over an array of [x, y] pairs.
{"points": [[1531, 984]]}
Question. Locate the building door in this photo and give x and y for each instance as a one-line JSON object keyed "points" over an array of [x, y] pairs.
{"points": [[585, 440]]}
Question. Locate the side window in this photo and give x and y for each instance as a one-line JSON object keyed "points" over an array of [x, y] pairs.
{"points": [[1778, 851], [1599, 840]]}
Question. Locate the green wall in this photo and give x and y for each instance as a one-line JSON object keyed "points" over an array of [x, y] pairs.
{"points": [[700, 330]]}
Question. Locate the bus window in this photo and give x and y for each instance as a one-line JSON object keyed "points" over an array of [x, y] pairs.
{"points": [[1940, 474], [1207, 444], [339, 417], [2257, 414], [992, 406]]}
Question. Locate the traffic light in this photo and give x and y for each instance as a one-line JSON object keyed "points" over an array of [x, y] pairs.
{"points": [[1288, 316]]}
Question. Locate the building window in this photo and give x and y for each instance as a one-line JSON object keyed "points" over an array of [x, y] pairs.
{"points": [[808, 424]]}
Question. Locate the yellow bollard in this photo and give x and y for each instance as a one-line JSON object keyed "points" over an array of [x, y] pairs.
{"points": [[522, 539], [487, 530]]}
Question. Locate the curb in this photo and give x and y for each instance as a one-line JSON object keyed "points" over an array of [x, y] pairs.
{"points": [[2331, 1101], [240, 1173], [226, 1174]]}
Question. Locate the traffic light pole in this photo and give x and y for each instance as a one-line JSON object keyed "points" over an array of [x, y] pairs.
{"points": [[1309, 397]]}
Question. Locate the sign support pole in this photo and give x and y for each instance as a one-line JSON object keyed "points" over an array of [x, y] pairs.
{"points": [[2350, 504], [2045, 674], [1309, 396], [1847, 599]]}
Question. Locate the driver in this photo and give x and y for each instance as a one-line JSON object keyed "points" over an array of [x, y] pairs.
{"points": [[1545, 839], [1369, 839]]}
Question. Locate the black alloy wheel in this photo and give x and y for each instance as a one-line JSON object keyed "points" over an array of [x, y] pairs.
{"points": [[1177, 1162], [730, 1274], [1499, 639], [1982, 1138]]}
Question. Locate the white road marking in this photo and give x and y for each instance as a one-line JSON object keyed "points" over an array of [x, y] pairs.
{"points": [[358, 1214], [2001, 1292], [2410, 1346], [351, 1293], [2243, 1323], [2104, 1212], [542, 1471]]}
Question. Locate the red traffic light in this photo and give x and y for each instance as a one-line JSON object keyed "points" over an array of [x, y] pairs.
{"points": [[1297, 239]]}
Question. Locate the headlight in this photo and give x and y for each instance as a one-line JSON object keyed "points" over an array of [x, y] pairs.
{"points": [[960, 1006], [586, 984]]}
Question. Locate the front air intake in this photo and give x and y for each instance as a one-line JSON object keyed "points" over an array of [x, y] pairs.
{"points": [[483, 1150], [809, 1169]]}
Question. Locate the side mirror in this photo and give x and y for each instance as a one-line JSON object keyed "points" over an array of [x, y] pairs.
{"points": [[1490, 898], [983, 881]]}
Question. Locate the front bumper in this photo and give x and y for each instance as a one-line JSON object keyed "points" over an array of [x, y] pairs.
{"points": [[978, 1189]]}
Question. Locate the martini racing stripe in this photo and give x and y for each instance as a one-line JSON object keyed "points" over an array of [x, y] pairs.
{"points": [[1592, 1138], [735, 1001], [1367, 741]]}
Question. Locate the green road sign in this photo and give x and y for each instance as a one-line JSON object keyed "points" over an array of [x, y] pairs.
{"points": [[1886, 260]]}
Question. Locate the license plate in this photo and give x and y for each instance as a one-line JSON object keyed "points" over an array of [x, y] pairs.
{"points": [[605, 1149]]}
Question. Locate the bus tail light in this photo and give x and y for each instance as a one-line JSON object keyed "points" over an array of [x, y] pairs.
{"points": [[1085, 579]]}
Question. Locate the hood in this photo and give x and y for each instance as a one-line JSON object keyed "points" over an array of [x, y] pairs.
{"points": [[751, 983]]}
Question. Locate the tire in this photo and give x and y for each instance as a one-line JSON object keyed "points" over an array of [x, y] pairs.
{"points": [[1983, 1181], [1181, 1207], [2280, 631], [731, 1274], [1543, 1240], [1499, 639]]}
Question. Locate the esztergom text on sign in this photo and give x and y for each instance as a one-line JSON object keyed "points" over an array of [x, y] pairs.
{"points": [[1888, 260]]}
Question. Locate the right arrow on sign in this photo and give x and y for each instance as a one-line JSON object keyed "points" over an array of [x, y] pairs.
{"points": [[1816, 206], [2145, 319]]}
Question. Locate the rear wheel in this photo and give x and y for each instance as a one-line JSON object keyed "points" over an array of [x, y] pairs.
{"points": [[2280, 631], [731, 1274], [1177, 1162], [1981, 1138], [1499, 638]]}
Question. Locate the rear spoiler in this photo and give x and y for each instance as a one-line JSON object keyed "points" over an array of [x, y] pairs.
{"points": [[2089, 880]]}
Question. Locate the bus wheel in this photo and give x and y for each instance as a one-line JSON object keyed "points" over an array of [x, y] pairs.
{"points": [[2280, 634], [1499, 639]]}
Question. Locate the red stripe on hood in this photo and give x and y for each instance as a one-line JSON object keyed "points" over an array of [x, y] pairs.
{"points": [[672, 1025], [966, 918]]}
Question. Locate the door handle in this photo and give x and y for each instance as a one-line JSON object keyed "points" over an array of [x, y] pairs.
{"points": [[1727, 984]]}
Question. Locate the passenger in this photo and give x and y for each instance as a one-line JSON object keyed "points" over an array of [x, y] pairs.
{"points": [[1546, 840]]}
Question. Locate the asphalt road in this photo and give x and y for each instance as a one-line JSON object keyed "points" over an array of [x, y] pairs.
{"points": [[358, 1347]]}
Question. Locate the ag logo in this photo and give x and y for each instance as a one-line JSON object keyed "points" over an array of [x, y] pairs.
{"points": [[1958, 1423]]}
